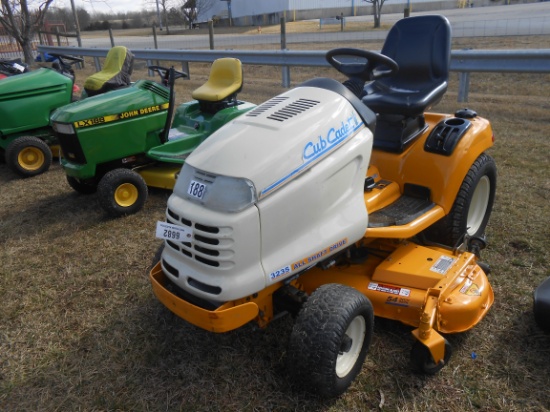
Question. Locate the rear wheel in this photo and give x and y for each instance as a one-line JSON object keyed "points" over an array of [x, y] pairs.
{"points": [[330, 340], [472, 207], [84, 188], [122, 192], [28, 156]]}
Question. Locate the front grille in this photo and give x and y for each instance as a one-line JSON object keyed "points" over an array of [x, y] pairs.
{"points": [[210, 245], [70, 145]]}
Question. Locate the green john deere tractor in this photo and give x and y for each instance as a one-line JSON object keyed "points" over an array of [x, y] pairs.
{"points": [[119, 143], [27, 100]]}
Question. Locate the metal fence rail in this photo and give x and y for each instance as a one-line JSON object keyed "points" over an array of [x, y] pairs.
{"points": [[462, 61]]}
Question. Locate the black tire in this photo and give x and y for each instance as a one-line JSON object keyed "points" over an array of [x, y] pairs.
{"points": [[472, 207], [541, 305], [122, 192], [330, 340], [84, 188], [423, 362], [28, 156]]}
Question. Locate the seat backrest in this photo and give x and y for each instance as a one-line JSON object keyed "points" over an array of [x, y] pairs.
{"points": [[224, 81], [421, 46], [115, 73]]}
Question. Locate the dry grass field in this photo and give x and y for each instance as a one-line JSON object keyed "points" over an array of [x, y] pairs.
{"points": [[80, 329]]}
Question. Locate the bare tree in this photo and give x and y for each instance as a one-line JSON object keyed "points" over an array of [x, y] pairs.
{"points": [[22, 19], [376, 10], [192, 9]]}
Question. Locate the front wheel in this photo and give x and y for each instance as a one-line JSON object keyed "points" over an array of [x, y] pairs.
{"points": [[423, 362], [28, 156], [122, 192], [330, 340]]}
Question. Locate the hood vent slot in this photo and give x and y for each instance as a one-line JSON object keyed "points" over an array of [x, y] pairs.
{"points": [[293, 109], [266, 106]]}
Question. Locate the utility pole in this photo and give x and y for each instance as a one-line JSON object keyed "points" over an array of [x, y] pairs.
{"points": [[158, 16], [76, 24]]}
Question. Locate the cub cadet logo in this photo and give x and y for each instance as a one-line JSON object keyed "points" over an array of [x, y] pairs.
{"points": [[124, 115], [332, 138]]}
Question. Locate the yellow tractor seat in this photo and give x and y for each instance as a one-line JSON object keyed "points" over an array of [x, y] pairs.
{"points": [[116, 72], [223, 84]]}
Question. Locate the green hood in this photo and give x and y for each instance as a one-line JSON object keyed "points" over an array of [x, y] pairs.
{"points": [[143, 97]]}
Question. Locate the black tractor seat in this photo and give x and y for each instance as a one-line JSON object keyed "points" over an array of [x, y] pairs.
{"points": [[421, 46]]}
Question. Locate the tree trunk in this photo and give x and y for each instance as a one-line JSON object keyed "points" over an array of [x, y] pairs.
{"points": [[27, 51]]}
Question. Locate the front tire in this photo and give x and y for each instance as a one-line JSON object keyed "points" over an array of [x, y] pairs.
{"points": [[122, 192], [28, 156], [423, 362], [330, 340], [472, 207]]}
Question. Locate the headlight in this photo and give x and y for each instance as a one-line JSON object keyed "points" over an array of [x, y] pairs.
{"points": [[63, 128], [221, 193]]}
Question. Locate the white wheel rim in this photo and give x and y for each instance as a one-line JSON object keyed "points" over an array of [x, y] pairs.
{"points": [[356, 331], [478, 205]]}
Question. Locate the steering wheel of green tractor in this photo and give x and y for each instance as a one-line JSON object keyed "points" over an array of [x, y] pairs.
{"points": [[360, 64], [164, 73]]}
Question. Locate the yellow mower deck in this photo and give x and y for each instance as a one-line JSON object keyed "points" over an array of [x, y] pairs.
{"points": [[430, 289]]}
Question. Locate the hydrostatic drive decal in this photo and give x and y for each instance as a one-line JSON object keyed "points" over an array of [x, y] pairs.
{"points": [[124, 115], [308, 260], [324, 144]]}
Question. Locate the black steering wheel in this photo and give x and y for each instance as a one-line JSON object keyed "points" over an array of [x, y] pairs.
{"points": [[164, 73], [371, 65], [64, 57]]}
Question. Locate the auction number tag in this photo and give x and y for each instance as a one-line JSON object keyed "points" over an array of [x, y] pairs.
{"points": [[168, 231], [197, 189]]}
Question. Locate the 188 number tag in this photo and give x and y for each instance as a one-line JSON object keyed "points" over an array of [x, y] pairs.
{"points": [[197, 189]]}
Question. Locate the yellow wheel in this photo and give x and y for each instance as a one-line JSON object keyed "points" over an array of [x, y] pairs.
{"points": [[28, 156], [122, 192], [126, 195]]}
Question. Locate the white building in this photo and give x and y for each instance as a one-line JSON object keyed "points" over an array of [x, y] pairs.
{"points": [[258, 12]]}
